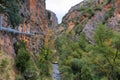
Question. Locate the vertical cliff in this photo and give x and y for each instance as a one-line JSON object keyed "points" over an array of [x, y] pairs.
{"points": [[40, 22], [85, 16], [36, 20]]}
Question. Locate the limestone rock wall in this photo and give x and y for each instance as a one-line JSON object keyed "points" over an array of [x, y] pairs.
{"points": [[36, 21], [52, 19], [89, 14]]}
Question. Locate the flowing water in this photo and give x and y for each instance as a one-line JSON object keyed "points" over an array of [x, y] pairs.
{"points": [[56, 72]]}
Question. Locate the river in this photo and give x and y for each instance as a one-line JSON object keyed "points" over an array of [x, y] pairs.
{"points": [[56, 72]]}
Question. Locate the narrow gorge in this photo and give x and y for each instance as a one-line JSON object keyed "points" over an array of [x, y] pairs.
{"points": [[84, 46]]}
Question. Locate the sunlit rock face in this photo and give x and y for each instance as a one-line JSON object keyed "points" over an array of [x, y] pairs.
{"points": [[108, 12], [38, 14], [36, 21]]}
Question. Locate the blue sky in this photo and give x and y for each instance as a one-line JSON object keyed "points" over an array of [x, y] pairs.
{"points": [[60, 7]]}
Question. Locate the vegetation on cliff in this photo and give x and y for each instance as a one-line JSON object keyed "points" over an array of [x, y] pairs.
{"points": [[6, 67], [11, 9], [91, 49], [31, 67], [80, 60]]}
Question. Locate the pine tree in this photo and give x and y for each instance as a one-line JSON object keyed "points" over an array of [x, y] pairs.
{"points": [[105, 53]]}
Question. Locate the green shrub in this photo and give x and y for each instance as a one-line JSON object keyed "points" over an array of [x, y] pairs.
{"points": [[31, 75], [90, 11], [22, 58], [25, 63], [11, 10], [97, 8], [19, 77], [109, 14], [81, 9], [4, 63], [82, 61], [44, 62]]}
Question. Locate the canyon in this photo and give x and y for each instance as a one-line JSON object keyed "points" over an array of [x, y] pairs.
{"points": [[63, 46]]}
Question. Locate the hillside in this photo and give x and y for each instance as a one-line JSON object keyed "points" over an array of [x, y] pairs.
{"points": [[89, 41]]}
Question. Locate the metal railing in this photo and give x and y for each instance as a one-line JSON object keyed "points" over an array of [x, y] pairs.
{"points": [[0, 22], [15, 31]]}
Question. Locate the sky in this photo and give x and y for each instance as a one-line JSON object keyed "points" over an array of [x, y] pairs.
{"points": [[60, 7]]}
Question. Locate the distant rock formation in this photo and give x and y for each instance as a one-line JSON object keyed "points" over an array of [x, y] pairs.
{"points": [[52, 19]]}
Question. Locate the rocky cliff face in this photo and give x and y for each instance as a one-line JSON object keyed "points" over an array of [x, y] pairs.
{"points": [[6, 39], [36, 20], [40, 22], [88, 14], [52, 19]]}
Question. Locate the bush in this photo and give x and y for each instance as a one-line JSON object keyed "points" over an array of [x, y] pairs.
{"points": [[25, 63], [97, 8], [4, 63], [44, 62], [30, 75], [23, 56], [90, 11], [82, 61], [11, 10], [109, 14], [22, 59]]}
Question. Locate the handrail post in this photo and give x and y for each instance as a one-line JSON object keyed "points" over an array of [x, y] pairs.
{"points": [[0, 21]]}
